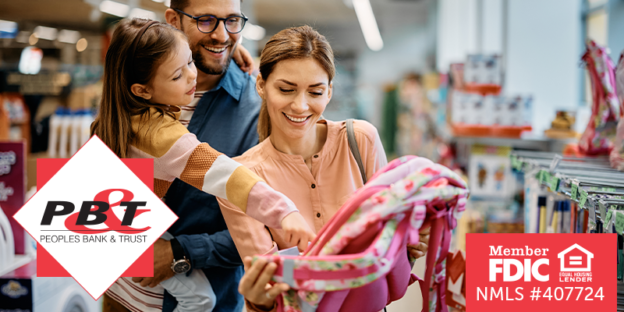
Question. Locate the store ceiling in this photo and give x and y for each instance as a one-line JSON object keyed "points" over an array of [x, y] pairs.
{"points": [[334, 18]]}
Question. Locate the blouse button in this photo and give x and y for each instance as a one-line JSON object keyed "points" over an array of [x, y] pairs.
{"points": [[318, 214], [313, 185]]}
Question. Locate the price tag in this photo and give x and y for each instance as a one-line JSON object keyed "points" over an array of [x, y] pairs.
{"points": [[609, 215], [583, 198], [574, 191], [619, 222], [554, 183]]}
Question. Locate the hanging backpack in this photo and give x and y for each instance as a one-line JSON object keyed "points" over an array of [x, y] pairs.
{"points": [[606, 109], [617, 154], [359, 259]]}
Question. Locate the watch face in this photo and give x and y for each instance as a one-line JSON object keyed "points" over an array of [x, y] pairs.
{"points": [[181, 266]]}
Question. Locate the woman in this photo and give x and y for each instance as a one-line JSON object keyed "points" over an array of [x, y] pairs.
{"points": [[302, 156]]}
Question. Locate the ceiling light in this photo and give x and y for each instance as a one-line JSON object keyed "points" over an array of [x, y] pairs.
{"points": [[46, 33], [159, 1], [32, 40], [253, 32], [68, 36], [167, 3], [82, 44], [365, 16], [114, 8], [136, 12]]}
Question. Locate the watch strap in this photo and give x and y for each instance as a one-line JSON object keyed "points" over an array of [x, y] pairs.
{"points": [[176, 248]]}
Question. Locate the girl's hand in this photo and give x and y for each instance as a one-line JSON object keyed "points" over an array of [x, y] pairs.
{"points": [[296, 231], [243, 58], [254, 284], [420, 249]]}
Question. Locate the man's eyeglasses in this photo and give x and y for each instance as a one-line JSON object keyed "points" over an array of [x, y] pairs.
{"points": [[208, 23]]}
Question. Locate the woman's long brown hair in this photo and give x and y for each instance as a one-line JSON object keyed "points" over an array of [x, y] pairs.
{"points": [[292, 43], [122, 70]]}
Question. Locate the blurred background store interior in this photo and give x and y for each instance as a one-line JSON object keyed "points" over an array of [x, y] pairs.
{"points": [[462, 82]]}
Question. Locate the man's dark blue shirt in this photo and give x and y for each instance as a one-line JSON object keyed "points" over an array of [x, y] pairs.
{"points": [[226, 118]]}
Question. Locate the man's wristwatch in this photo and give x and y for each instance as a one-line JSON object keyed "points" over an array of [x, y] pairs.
{"points": [[180, 264]]}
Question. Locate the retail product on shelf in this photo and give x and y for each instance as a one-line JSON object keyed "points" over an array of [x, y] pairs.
{"points": [[7, 245], [14, 118], [489, 172], [13, 186], [69, 130], [562, 126], [483, 70], [477, 106], [606, 108]]}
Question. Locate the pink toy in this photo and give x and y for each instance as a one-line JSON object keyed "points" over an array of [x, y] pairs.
{"points": [[359, 260]]}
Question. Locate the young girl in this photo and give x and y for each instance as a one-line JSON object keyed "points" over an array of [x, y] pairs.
{"points": [[149, 74]]}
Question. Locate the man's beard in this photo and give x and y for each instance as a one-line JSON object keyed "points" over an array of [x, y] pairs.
{"points": [[209, 68]]}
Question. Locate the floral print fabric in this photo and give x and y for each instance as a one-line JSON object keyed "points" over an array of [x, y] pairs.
{"points": [[409, 185]]}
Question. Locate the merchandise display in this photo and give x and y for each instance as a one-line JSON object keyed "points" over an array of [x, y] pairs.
{"points": [[347, 262], [477, 105], [606, 108], [617, 154], [13, 186]]}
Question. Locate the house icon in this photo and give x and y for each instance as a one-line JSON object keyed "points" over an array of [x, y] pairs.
{"points": [[575, 259]]}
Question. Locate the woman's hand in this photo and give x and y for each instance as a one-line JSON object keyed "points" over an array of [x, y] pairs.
{"points": [[254, 284], [297, 231], [420, 249], [243, 58]]}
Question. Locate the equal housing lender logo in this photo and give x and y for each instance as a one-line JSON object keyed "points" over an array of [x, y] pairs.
{"points": [[95, 217], [541, 272]]}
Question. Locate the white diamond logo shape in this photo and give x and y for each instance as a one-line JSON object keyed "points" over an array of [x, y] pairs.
{"points": [[94, 260]]}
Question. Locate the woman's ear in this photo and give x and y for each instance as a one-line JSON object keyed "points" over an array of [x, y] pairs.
{"points": [[260, 84], [141, 91]]}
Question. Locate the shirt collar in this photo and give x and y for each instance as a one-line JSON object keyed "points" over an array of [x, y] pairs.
{"points": [[232, 81]]}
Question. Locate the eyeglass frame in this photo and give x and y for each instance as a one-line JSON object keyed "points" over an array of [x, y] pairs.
{"points": [[219, 19]]}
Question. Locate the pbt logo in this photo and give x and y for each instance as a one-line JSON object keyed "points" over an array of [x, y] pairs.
{"points": [[99, 210], [526, 269]]}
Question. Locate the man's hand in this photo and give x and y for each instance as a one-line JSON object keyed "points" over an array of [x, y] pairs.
{"points": [[421, 248], [163, 257], [243, 58], [296, 231]]}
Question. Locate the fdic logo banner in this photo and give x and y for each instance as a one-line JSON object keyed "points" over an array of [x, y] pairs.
{"points": [[541, 272], [95, 217]]}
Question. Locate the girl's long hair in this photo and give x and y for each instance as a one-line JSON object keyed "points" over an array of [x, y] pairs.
{"points": [[292, 43], [122, 70]]}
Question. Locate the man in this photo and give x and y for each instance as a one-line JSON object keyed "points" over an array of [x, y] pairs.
{"points": [[224, 114]]}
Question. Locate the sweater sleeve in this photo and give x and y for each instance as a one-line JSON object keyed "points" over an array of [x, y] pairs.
{"points": [[178, 154]]}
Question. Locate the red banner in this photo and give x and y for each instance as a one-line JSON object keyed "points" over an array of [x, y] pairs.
{"points": [[541, 272]]}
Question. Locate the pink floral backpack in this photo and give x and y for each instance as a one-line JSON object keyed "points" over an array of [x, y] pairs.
{"points": [[359, 260], [606, 108], [617, 154]]}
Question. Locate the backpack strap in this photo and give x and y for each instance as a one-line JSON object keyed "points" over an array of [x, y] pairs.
{"points": [[355, 151]]}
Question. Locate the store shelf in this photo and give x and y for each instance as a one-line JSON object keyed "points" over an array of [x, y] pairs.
{"points": [[587, 181], [528, 141], [18, 261]]}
